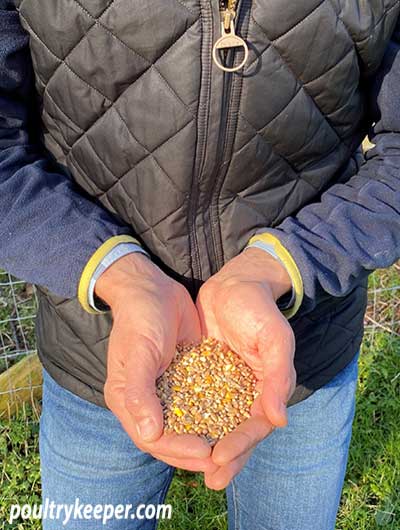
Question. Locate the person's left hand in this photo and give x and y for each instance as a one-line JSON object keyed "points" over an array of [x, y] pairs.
{"points": [[238, 307]]}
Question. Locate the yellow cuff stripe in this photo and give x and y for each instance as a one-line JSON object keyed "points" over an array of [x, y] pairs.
{"points": [[91, 266], [291, 268]]}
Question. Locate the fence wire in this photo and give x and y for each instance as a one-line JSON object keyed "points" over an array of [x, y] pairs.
{"points": [[18, 306]]}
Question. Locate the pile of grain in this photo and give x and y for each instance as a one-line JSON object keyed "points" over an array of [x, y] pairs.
{"points": [[207, 390]]}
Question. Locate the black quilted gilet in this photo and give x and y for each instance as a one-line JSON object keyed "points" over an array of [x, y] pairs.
{"points": [[195, 159]]}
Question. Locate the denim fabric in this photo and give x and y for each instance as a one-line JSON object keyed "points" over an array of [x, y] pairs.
{"points": [[49, 228], [292, 481]]}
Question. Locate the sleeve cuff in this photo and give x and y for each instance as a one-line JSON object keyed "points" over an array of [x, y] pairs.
{"points": [[291, 267], [118, 252], [92, 264]]}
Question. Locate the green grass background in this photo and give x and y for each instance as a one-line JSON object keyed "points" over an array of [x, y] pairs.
{"points": [[371, 494]]}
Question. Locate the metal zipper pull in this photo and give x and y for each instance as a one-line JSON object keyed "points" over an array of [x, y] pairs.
{"points": [[228, 38]]}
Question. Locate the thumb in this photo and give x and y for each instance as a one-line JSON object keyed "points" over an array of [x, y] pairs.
{"points": [[273, 402], [205, 305], [189, 331], [279, 378], [141, 400]]}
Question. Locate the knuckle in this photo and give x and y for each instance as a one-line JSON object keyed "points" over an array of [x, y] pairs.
{"points": [[288, 383], [134, 401], [286, 334]]}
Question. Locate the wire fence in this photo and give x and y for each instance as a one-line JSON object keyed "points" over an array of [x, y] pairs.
{"points": [[18, 305], [383, 313]]}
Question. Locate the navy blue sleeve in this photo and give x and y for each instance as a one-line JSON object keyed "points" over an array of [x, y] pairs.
{"points": [[48, 228], [355, 228]]}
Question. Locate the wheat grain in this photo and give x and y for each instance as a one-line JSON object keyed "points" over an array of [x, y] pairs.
{"points": [[207, 390]]}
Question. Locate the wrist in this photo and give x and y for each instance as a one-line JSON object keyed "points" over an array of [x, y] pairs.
{"points": [[278, 277], [113, 285], [271, 245], [116, 253]]}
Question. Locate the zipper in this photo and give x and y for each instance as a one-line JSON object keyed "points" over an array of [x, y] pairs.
{"points": [[229, 11]]}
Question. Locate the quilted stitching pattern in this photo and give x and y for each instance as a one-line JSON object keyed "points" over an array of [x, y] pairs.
{"points": [[120, 84], [290, 169], [82, 98]]}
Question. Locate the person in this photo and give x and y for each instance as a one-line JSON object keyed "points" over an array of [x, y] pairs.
{"points": [[158, 184]]}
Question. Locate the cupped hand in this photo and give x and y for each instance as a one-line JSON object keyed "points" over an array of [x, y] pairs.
{"points": [[152, 313], [238, 306]]}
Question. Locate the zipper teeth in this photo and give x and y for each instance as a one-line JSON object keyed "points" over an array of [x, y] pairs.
{"points": [[231, 5], [220, 176], [222, 138]]}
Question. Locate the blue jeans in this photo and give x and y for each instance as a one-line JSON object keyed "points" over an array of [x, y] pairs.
{"points": [[293, 480]]}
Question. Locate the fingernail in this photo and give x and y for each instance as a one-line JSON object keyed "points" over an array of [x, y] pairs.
{"points": [[147, 429]]}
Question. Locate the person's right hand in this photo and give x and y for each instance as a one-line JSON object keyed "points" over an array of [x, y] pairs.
{"points": [[152, 313]]}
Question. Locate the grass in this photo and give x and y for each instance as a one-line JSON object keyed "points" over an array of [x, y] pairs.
{"points": [[371, 494], [17, 310], [20, 473]]}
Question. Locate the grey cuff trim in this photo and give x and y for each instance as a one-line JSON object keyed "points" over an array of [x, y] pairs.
{"points": [[119, 251], [282, 302]]}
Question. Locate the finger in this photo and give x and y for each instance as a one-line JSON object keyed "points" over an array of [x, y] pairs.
{"points": [[181, 446], [190, 329], [279, 376], [277, 388], [243, 439], [140, 396], [208, 321], [220, 478], [205, 465], [177, 446]]}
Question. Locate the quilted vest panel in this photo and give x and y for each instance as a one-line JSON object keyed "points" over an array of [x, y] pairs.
{"points": [[194, 159]]}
